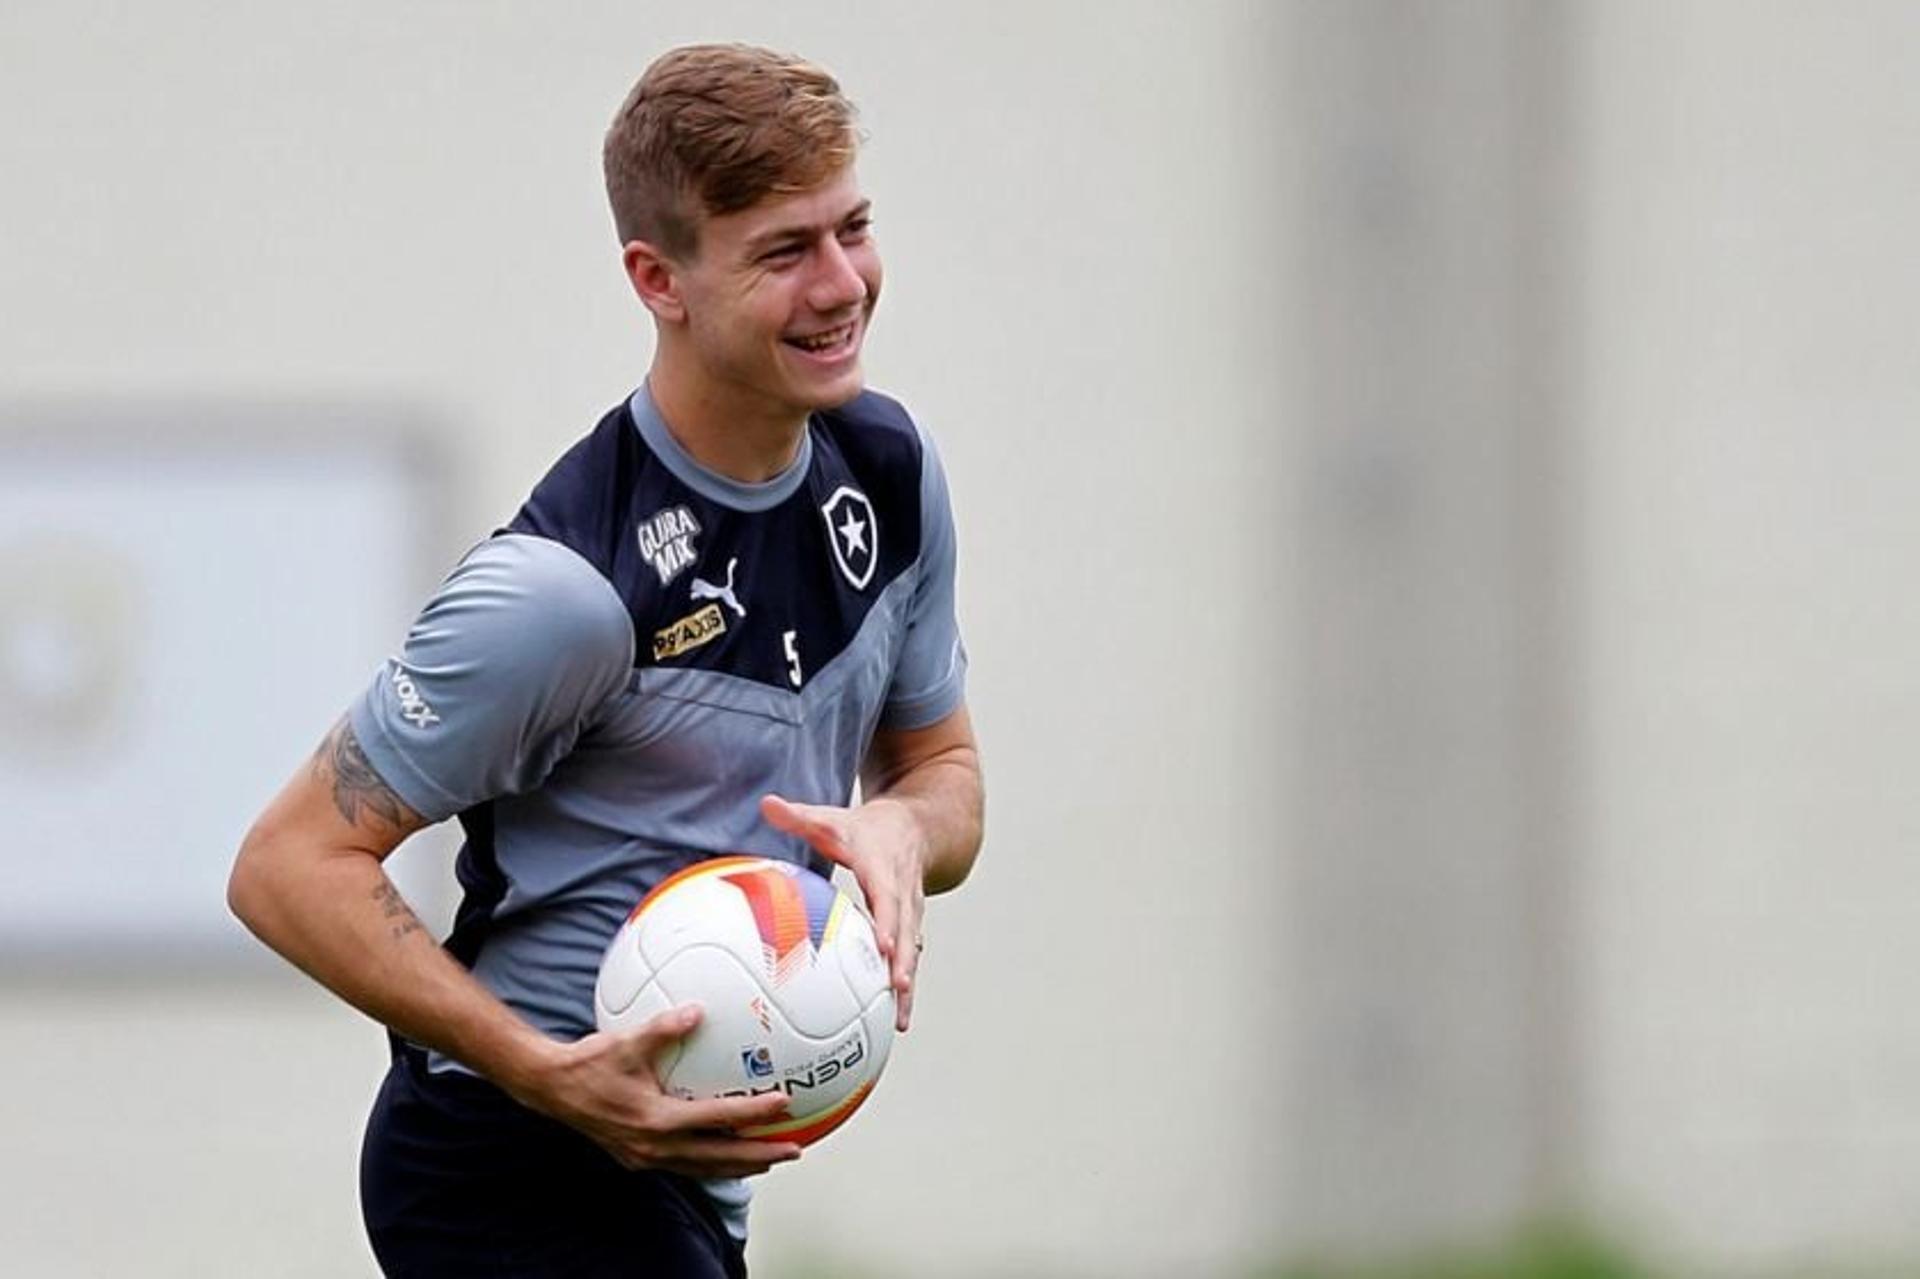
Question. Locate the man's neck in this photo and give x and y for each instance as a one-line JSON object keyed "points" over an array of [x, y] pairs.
{"points": [[743, 441]]}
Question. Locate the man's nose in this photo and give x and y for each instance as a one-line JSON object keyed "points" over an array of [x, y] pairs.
{"points": [[839, 284]]}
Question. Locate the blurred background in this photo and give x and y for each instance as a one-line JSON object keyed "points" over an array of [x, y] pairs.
{"points": [[1438, 509]]}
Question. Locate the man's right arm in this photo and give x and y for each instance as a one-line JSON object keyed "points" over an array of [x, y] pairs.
{"points": [[310, 882]]}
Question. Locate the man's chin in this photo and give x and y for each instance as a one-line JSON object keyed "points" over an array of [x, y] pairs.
{"points": [[842, 390]]}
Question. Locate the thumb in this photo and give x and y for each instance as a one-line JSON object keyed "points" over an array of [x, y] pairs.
{"points": [[646, 1042], [818, 824]]}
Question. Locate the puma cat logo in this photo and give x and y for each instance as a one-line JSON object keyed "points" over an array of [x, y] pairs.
{"points": [[704, 590]]}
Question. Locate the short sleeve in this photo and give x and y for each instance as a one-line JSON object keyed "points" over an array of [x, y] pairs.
{"points": [[507, 664], [929, 680]]}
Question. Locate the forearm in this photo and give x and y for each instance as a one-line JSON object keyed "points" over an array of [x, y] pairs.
{"points": [[338, 917], [309, 882], [944, 798]]}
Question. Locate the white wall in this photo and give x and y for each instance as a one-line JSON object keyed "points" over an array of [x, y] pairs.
{"points": [[1420, 1004], [1747, 545], [401, 205]]}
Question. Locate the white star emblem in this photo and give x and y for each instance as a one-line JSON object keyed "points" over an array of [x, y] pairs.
{"points": [[853, 535], [855, 531]]}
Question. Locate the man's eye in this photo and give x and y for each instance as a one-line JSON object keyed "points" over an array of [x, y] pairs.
{"points": [[856, 229], [785, 253]]}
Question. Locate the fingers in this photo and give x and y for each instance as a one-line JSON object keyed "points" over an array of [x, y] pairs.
{"points": [[903, 1010], [906, 960], [732, 1113], [678, 1145], [899, 914], [723, 1156], [699, 1139], [883, 900]]}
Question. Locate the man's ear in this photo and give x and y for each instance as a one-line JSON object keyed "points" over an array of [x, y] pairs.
{"points": [[655, 280]]}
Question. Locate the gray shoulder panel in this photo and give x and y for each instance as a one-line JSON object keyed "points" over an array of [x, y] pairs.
{"points": [[504, 668], [929, 680]]}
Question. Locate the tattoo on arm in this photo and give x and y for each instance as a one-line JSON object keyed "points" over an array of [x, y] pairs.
{"points": [[394, 907], [356, 787]]}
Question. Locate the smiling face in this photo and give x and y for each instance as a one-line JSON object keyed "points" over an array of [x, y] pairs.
{"points": [[775, 300]]}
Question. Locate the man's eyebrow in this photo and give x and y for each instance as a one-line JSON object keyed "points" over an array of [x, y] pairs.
{"points": [[800, 234]]}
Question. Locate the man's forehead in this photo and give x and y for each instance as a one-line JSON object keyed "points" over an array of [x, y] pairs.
{"points": [[826, 205]]}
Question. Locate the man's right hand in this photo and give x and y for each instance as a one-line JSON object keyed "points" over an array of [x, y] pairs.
{"points": [[309, 882], [606, 1086]]}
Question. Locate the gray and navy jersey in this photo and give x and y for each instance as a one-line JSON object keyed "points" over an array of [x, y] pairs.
{"points": [[604, 689]]}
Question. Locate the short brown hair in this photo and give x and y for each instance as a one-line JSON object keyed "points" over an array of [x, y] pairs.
{"points": [[715, 128]]}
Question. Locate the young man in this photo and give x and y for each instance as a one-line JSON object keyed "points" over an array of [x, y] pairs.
{"points": [[731, 597]]}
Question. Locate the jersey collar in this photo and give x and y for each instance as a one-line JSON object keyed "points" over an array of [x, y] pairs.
{"points": [[711, 485]]}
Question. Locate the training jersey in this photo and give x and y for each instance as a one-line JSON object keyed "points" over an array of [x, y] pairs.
{"points": [[603, 690]]}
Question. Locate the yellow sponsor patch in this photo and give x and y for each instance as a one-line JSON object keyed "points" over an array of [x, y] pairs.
{"points": [[690, 632]]}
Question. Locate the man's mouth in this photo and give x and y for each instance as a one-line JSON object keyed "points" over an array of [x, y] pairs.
{"points": [[829, 342]]}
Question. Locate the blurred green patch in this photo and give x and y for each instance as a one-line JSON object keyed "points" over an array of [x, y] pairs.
{"points": [[1538, 1252], [1542, 1252]]}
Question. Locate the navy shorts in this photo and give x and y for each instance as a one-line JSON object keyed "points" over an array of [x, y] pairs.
{"points": [[459, 1181]]}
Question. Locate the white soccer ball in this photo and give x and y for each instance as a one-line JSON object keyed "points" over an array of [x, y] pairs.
{"points": [[795, 993]]}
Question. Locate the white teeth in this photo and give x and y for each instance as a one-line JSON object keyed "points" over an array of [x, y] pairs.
{"points": [[824, 341]]}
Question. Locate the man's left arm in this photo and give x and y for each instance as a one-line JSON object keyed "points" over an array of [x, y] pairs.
{"points": [[916, 832]]}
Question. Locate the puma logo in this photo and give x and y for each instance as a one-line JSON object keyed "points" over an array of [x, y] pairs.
{"points": [[703, 590]]}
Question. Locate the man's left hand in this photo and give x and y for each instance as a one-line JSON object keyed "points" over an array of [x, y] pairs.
{"points": [[882, 843]]}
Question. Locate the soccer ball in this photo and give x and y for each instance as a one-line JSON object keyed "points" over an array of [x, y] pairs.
{"points": [[796, 996]]}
